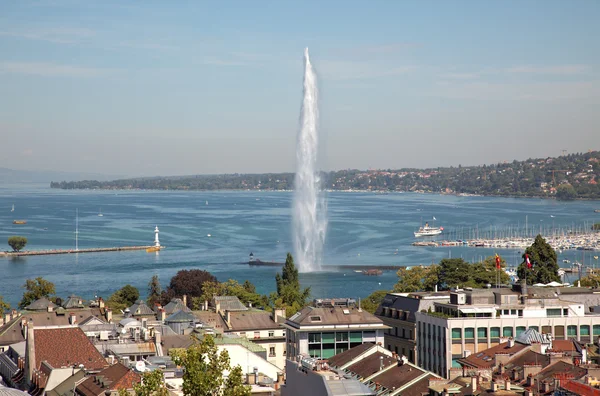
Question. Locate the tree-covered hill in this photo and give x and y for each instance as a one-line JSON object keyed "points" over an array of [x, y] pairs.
{"points": [[566, 177]]}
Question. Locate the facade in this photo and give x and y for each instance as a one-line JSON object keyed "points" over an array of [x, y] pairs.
{"points": [[331, 326], [475, 320], [397, 311]]}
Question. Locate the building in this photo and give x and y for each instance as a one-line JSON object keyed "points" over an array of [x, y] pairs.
{"points": [[397, 310], [477, 319], [112, 379], [331, 326]]}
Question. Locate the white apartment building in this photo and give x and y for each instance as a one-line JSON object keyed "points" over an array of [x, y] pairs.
{"points": [[475, 320]]}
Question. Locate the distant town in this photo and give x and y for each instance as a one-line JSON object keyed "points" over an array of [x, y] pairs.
{"points": [[572, 176]]}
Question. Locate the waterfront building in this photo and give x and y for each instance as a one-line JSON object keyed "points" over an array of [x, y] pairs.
{"points": [[397, 310], [331, 326], [477, 319]]}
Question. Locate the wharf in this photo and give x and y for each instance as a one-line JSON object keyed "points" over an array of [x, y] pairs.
{"points": [[70, 251]]}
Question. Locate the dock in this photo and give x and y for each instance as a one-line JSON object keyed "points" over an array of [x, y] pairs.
{"points": [[75, 251]]}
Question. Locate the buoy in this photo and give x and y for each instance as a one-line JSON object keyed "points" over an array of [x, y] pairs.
{"points": [[208, 235]]}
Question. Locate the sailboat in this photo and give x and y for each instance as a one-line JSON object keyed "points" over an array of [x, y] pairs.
{"points": [[13, 208], [100, 214], [206, 202]]}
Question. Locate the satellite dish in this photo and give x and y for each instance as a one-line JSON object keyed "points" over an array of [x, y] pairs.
{"points": [[140, 366]]}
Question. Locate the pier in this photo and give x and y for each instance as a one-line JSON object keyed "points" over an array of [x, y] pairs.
{"points": [[75, 251]]}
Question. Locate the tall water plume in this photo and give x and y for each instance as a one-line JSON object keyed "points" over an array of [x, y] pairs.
{"points": [[309, 220]]}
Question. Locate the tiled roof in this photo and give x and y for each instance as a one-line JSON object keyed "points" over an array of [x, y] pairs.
{"points": [[175, 305], [140, 308], [371, 364], [487, 357], [73, 302], [331, 316], [419, 388], [229, 303], [41, 305], [527, 357], [66, 346], [252, 320], [211, 319], [346, 357], [114, 378], [564, 346], [177, 341], [180, 317], [531, 336], [398, 376]]}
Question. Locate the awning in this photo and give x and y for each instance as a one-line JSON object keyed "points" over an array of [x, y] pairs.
{"points": [[476, 310]]}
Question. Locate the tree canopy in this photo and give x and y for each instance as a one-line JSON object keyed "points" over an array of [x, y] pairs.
{"points": [[188, 282], [203, 371], [17, 242], [36, 289], [288, 294], [154, 291], [123, 298], [544, 267], [371, 303], [246, 292], [153, 384], [4, 306], [412, 279]]}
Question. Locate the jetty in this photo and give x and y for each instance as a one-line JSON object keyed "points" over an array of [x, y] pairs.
{"points": [[75, 251]]}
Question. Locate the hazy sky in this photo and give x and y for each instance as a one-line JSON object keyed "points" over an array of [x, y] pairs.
{"points": [[177, 87]]}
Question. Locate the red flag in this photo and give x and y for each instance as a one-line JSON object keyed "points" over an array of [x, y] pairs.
{"points": [[497, 261], [527, 261]]}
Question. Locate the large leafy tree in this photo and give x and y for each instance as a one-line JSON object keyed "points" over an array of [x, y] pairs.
{"points": [[454, 272], [123, 298], [371, 303], [4, 306], [188, 282], [153, 384], [203, 371], [544, 267], [17, 242], [289, 295], [417, 278], [36, 289], [246, 292], [154, 290]]}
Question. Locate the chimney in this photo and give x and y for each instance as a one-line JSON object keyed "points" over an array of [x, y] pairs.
{"points": [[511, 342], [100, 302], [584, 355], [380, 363], [501, 368], [144, 323], [217, 306], [473, 384], [228, 317], [435, 290], [108, 314], [507, 384], [529, 380], [251, 378], [72, 319], [280, 378], [157, 337], [50, 309], [494, 386], [359, 307], [515, 375], [528, 392], [206, 305], [185, 300], [30, 363], [545, 386], [163, 314]]}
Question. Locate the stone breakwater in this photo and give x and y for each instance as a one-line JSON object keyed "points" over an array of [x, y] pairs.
{"points": [[69, 251]]}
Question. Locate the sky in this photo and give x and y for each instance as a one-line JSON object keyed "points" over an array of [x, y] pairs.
{"points": [[188, 87]]}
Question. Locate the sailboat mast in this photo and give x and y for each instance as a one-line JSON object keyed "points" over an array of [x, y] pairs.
{"points": [[77, 229]]}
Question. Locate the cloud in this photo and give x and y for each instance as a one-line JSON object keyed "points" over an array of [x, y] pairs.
{"points": [[60, 35], [49, 69], [349, 70], [556, 70]]}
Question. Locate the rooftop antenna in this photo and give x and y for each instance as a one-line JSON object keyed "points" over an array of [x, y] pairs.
{"points": [[77, 229]]}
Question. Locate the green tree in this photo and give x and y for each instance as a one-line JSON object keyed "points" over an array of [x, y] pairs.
{"points": [[203, 371], [591, 280], [486, 272], [543, 261], [419, 278], [154, 290], [36, 289], [4, 306], [289, 295], [454, 272], [596, 227], [188, 282], [17, 242], [371, 303], [246, 292], [123, 298], [565, 192], [153, 384]]}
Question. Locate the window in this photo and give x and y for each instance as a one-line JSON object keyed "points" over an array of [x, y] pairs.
{"points": [[271, 334], [572, 331], [315, 318], [566, 312], [341, 336], [327, 337], [507, 332], [584, 330], [536, 328], [456, 334], [481, 332], [271, 350], [520, 313], [513, 311], [520, 329], [596, 330], [553, 312], [257, 334], [495, 332], [469, 332], [314, 337], [356, 336]]}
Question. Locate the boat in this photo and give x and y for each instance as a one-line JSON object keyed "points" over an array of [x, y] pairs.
{"points": [[597, 211], [100, 214], [153, 249], [19, 222], [13, 208], [428, 231]]}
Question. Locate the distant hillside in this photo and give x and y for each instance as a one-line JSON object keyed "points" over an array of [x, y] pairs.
{"points": [[27, 176], [570, 176]]}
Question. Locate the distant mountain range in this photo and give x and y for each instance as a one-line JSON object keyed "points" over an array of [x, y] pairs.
{"points": [[32, 176]]}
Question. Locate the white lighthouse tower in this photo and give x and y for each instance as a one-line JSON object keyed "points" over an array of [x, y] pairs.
{"points": [[156, 242]]}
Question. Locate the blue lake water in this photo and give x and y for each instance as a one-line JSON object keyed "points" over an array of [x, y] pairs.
{"points": [[364, 228]]}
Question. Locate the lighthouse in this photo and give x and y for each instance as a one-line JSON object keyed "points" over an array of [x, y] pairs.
{"points": [[156, 242]]}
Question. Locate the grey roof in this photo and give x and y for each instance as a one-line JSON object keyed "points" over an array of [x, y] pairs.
{"points": [[229, 303], [11, 392], [347, 387], [140, 308], [180, 317], [331, 316], [531, 336], [40, 305], [164, 330], [73, 302], [175, 305], [252, 319], [130, 321]]}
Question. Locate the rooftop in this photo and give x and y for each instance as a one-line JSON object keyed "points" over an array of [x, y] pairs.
{"points": [[311, 316], [253, 319], [66, 346], [228, 303], [114, 377]]}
